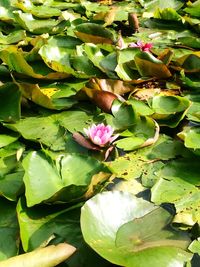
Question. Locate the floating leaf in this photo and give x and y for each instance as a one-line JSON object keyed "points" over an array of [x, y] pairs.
{"points": [[167, 14], [149, 66], [8, 138], [98, 213], [62, 184], [48, 256], [40, 11], [193, 9], [10, 102], [124, 114], [9, 230], [16, 62], [144, 133], [29, 23], [93, 33], [190, 135], [40, 227], [150, 231], [13, 37], [195, 246]]}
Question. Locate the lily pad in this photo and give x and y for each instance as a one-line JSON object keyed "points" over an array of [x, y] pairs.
{"points": [[59, 181], [104, 215], [9, 230], [10, 102]]}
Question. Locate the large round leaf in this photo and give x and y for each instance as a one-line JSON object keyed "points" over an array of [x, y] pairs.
{"points": [[102, 218]]}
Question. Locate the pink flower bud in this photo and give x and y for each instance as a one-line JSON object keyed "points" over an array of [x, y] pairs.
{"points": [[101, 134], [143, 47]]}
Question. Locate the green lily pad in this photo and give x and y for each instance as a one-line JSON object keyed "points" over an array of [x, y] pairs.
{"points": [[124, 114], [16, 61], [103, 221], [139, 234], [93, 33], [6, 139], [51, 130], [169, 110], [9, 230], [191, 135], [195, 246], [10, 102], [42, 226], [41, 11], [13, 37], [143, 131], [149, 66], [193, 9], [59, 181], [167, 14], [38, 26], [126, 69]]}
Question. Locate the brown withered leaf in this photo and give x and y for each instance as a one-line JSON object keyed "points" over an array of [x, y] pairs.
{"points": [[117, 87], [145, 94], [102, 99]]}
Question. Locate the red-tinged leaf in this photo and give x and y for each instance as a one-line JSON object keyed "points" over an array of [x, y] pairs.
{"points": [[102, 99], [81, 140]]}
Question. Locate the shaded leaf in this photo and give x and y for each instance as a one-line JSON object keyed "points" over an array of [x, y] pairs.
{"points": [[13, 37], [9, 230], [41, 226], [10, 102]]}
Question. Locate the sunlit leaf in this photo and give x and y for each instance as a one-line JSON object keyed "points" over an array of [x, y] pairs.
{"points": [[98, 214], [38, 11], [29, 23], [193, 8], [124, 115], [16, 62], [48, 256], [190, 135], [13, 37], [139, 234]]}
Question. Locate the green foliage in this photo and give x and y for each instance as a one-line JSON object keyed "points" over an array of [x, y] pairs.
{"points": [[66, 65]]}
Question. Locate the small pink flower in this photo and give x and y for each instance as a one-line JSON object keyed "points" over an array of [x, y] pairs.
{"points": [[143, 47], [101, 134]]}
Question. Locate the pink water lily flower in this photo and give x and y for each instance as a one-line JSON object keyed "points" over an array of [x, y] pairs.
{"points": [[101, 134], [143, 47]]}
